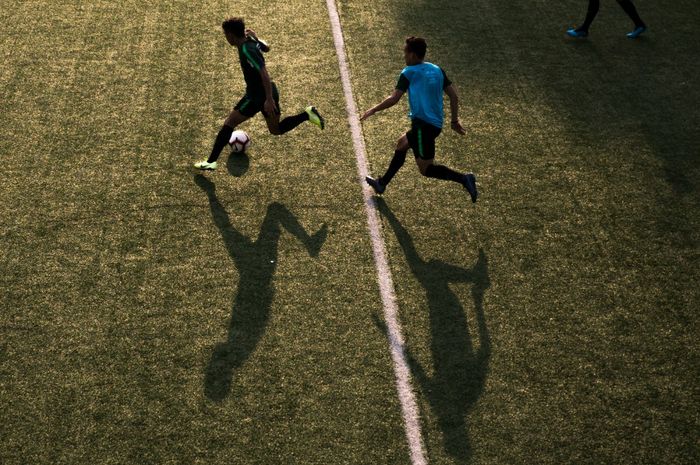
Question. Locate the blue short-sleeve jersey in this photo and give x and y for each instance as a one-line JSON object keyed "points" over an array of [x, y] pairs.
{"points": [[424, 83]]}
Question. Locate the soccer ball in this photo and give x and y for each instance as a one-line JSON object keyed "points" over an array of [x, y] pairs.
{"points": [[239, 141]]}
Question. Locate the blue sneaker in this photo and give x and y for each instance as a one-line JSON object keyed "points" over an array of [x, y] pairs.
{"points": [[376, 184], [469, 183], [637, 32], [576, 33]]}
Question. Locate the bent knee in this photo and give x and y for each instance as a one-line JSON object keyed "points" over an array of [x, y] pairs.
{"points": [[423, 166], [402, 144]]}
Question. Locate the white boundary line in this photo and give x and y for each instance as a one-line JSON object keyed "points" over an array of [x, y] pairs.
{"points": [[386, 284]]}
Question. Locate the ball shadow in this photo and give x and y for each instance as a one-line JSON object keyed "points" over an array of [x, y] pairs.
{"points": [[237, 164]]}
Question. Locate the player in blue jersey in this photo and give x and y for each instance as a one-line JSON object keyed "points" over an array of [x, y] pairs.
{"points": [[425, 84], [261, 93]]}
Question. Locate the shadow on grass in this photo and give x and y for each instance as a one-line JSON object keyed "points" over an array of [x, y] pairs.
{"points": [[604, 86], [237, 164], [256, 262], [459, 369], [624, 88]]}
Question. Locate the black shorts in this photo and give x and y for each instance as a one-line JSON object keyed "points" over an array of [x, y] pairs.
{"points": [[252, 103], [421, 138]]}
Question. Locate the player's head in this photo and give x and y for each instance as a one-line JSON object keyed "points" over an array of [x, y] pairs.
{"points": [[234, 29], [414, 50]]}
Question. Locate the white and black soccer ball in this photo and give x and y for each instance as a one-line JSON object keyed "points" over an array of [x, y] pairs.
{"points": [[239, 141]]}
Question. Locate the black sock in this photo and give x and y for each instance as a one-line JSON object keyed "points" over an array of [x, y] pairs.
{"points": [[631, 11], [396, 163], [593, 6], [290, 122], [221, 140], [443, 172]]}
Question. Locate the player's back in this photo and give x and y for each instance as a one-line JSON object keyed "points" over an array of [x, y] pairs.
{"points": [[425, 87], [252, 61]]}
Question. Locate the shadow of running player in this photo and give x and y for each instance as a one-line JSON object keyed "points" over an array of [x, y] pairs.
{"points": [[256, 262], [460, 369]]}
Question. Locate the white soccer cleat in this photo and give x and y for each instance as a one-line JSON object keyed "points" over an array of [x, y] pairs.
{"points": [[205, 165]]}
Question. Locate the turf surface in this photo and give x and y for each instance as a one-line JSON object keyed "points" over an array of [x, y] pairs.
{"points": [[151, 315]]}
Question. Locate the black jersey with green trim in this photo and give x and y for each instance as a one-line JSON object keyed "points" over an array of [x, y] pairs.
{"points": [[252, 62]]}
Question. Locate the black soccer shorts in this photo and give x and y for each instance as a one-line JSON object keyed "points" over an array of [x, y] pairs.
{"points": [[421, 138], [251, 103]]}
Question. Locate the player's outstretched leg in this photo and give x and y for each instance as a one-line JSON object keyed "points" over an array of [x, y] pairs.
{"points": [[397, 161], [278, 127], [290, 122], [468, 180], [222, 138], [220, 142]]}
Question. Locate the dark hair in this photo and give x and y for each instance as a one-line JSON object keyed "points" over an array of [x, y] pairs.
{"points": [[416, 45], [234, 25]]}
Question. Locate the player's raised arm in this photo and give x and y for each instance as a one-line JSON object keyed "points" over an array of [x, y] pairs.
{"points": [[262, 45], [388, 102]]}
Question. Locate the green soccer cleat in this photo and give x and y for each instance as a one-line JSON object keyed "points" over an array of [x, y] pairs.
{"points": [[315, 117], [205, 165]]}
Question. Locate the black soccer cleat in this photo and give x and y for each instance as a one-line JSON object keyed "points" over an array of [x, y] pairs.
{"points": [[376, 184], [469, 183]]}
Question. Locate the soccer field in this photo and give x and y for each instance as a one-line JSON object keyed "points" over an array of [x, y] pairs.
{"points": [[153, 314]]}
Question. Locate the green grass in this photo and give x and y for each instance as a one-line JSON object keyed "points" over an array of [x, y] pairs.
{"points": [[553, 322]]}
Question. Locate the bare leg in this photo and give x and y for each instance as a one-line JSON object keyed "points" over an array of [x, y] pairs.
{"points": [[402, 144], [234, 119]]}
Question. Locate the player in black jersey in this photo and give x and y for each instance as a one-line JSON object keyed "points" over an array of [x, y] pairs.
{"points": [[261, 93]]}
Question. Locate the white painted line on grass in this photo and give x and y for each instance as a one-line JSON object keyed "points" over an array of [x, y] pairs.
{"points": [[386, 285]]}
